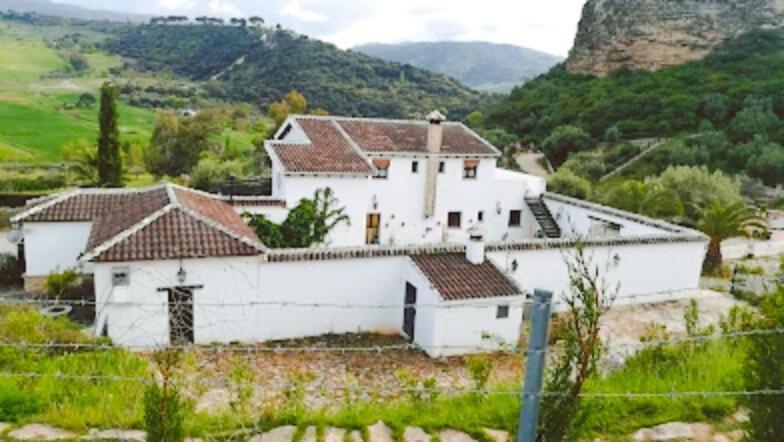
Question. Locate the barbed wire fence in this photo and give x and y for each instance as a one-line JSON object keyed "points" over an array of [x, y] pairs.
{"points": [[244, 425]]}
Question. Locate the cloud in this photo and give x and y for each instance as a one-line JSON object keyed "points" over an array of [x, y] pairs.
{"points": [[175, 4], [221, 7], [296, 10]]}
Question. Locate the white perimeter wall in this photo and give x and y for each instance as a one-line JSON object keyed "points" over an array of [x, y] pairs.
{"points": [[641, 269], [241, 297], [53, 246], [575, 219]]}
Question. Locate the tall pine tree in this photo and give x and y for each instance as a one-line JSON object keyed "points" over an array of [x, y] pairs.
{"points": [[109, 160]]}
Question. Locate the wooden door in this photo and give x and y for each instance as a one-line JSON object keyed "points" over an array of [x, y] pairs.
{"points": [[180, 315], [409, 312], [373, 228]]}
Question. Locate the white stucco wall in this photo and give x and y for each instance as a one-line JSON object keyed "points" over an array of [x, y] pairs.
{"points": [[400, 201], [576, 220], [53, 246], [241, 299], [447, 328], [642, 269]]}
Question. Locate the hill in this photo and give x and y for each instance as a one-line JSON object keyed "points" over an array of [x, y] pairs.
{"points": [[260, 65], [47, 7], [735, 93], [482, 65], [651, 34]]}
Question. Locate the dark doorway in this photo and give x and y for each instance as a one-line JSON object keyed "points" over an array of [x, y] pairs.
{"points": [[181, 315], [409, 312]]}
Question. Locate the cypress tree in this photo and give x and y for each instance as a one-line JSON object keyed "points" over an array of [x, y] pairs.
{"points": [[109, 160]]}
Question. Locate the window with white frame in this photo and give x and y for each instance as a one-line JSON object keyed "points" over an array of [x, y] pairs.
{"points": [[121, 276]]}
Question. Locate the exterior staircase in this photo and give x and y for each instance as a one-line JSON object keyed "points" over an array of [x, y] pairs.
{"points": [[544, 217]]}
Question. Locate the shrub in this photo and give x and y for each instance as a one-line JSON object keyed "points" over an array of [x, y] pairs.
{"points": [[567, 183], [10, 270], [479, 366], [15, 405], [764, 371], [164, 407], [57, 283]]}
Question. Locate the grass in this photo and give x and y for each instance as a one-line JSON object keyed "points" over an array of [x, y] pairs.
{"points": [[36, 108], [82, 404]]}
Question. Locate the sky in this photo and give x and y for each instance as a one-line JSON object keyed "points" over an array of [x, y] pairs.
{"points": [[546, 25]]}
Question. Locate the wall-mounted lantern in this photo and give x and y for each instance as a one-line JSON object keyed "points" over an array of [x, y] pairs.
{"points": [[181, 275]]}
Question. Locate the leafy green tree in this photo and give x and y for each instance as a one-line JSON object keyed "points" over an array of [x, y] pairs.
{"points": [[109, 158], [715, 107], [612, 135], [751, 122], [567, 183], [177, 143], [306, 224], [698, 188], [211, 171], [722, 221], [639, 197], [474, 120], [764, 371], [564, 141], [82, 159], [586, 165], [764, 160]]}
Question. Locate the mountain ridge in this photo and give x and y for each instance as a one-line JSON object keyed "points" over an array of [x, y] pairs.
{"points": [[47, 7], [494, 67]]}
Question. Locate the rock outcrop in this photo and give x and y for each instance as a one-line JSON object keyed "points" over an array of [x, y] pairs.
{"points": [[651, 34]]}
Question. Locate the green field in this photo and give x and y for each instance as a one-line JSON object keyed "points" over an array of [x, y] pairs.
{"points": [[38, 91]]}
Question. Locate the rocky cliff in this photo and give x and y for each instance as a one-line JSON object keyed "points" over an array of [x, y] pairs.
{"points": [[650, 34]]}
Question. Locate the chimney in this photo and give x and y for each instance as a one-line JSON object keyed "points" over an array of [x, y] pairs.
{"points": [[475, 248], [435, 138]]}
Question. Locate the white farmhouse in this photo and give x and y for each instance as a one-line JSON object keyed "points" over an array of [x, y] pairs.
{"points": [[442, 246]]}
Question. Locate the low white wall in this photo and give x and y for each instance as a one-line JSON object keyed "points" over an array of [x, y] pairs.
{"points": [[575, 220], [641, 269], [53, 246], [243, 299]]}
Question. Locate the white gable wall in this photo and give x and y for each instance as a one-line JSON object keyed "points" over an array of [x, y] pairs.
{"points": [[53, 246]]}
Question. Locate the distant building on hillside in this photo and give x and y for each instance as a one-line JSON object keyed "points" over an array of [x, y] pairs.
{"points": [[442, 246]]}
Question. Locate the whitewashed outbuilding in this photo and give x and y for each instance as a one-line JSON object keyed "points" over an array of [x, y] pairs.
{"points": [[442, 246]]}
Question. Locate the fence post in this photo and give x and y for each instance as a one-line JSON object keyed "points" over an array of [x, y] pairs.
{"points": [[534, 369]]}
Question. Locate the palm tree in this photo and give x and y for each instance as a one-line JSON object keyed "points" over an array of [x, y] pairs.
{"points": [[720, 222]]}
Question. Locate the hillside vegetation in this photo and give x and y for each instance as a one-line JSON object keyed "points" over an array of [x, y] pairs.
{"points": [[727, 108], [482, 65], [260, 65]]}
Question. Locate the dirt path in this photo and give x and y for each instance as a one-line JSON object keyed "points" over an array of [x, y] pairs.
{"points": [[529, 162]]}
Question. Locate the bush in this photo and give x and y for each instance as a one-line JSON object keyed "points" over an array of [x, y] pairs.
{"points": [[57, 283], [567, 183], [10, 271], [16, 405], [765, 371], [479, 366]]}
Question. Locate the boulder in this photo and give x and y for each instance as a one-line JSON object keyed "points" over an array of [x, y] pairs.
{"points": [[665, 432], [332, 434], [40, 432], [379, 432], [310, 434], [454, 436], [280, 434], [117, 435], [415, 434]]}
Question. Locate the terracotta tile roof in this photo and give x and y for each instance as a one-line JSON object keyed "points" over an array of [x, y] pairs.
{"points": [[455, 278], [341, 145], [126, 212], [161, 222], [174, 235], [215, 209], [411, 136], [328, 152], [81, 205]]}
